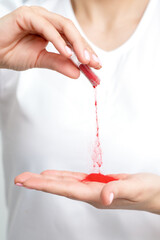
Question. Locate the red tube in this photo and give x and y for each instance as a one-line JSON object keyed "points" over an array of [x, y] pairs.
{"points": [[89, 74]]}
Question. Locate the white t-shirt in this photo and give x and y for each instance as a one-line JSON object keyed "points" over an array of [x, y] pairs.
{"points": [[48, 122]]}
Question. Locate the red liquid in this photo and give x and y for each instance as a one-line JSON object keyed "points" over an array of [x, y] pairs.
{"points": [[89, 74], [98, 177], [97, 151], [97, 155]]}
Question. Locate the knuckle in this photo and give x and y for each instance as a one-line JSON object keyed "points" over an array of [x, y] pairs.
{"points": [[69, 23], [60, 17], [44, 172], [23, 9], [37, 9], [22, 12]]}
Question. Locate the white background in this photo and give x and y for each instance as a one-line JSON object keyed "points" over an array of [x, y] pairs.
{"points": [[3, 210]]}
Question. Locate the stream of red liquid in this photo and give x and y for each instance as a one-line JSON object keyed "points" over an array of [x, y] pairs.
{"points": [[97, 155], [97, 151]]}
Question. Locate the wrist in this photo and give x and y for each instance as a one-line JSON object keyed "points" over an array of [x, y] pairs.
{"points": [[154, 201]]}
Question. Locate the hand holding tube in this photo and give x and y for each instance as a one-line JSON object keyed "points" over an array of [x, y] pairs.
{"points": [[25, 33]]}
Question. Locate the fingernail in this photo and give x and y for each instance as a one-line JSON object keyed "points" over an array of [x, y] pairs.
{"points": [[111, 197], [68, 50], [19, 184], [87, 55], [96, 59]]}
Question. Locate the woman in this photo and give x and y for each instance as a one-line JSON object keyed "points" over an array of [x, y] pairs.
{"points": [[48, 123]]}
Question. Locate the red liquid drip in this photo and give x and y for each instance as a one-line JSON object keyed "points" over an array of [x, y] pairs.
{"points": [[89, 74], [98, 177], [97, 151]]}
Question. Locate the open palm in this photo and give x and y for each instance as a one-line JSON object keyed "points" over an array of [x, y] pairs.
{"points": [[132, 191]]}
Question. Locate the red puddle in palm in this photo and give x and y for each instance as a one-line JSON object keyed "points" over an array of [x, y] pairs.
{"points": [[98, 177]]}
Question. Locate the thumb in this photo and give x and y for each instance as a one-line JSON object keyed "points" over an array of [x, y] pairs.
{"points": [[58, 63], [121, 189]]}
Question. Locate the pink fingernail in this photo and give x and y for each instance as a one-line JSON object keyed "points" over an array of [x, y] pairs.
{"points": [[19, 184], [87, 55], [96, 59], [111, 197], [68, 50]]}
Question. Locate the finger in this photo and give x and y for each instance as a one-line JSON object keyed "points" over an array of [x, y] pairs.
{"points": [[122, 189], [75, 175], [24, 176], [70, 34], [83, 51], [58, 63], [68, 188], [20, 179], [34, 23], [65, 188]]}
